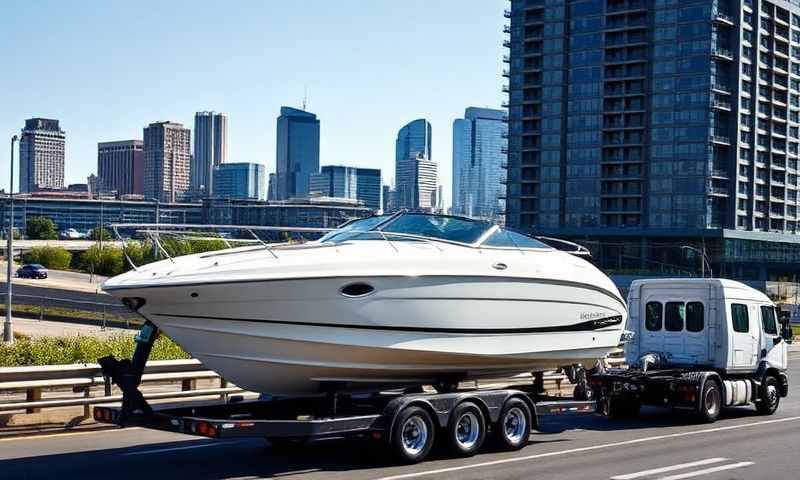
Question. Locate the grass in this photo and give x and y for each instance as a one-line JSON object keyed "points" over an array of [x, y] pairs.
{"points": [[28, 351], [63, 312], [796, 330]]}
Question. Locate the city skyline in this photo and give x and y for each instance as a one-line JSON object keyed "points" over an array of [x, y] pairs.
{"points": [[255, 74]]}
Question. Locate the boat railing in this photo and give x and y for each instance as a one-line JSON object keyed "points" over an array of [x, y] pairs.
{"points": [[247, 235]]}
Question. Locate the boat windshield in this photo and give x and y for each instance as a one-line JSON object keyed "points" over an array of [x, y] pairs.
{"points": [[407, 226]]}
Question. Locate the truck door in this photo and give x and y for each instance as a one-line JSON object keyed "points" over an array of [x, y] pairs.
{"points": [[773, 348], [744, 340]]}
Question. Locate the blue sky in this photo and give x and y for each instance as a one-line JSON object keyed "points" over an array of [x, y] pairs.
{"points": [[107, 69]]}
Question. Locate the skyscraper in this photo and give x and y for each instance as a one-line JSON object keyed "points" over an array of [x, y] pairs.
{"points": [[415, 171], [479, 153], [167, 157], [646, 125], [120, 167], [349, 182], [210, 150], [297, 152], [240, 180], [41, 155], [389, 196]]}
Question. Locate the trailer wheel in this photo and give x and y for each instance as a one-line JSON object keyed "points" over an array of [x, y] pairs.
{"points": [[514, 425], [710, 402], [412, 436], [466, 430], [769, 397]]}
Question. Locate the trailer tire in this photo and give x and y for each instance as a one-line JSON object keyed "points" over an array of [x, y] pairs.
{"points": [[769, 397], [466, 430], [710, 403], [514, 425], [412, 435]]}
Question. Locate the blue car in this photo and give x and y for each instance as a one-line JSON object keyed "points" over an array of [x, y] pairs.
{"points": [[32, 270]]}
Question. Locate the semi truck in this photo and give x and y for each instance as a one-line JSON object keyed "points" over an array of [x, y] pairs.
{"points": [[697, 345]]}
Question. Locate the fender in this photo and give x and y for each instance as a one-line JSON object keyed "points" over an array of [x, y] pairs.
{"points": [[699, 379]]}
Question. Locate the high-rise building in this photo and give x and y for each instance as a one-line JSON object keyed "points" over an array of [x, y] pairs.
{"points": [[210, 150], [297, 152], [240, 180], [167, 158], [644, 126], [349, 182], [120, 167], [389, 196], [272, 189], [479, 154], [415, 171], [41, 155]]}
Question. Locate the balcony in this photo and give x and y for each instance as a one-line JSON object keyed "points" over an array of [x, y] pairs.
{"points": [[722, 53], [723, 18], [506, 73], [507, 13], [506, 59], [718, 173], [720, 139], [716, 190], [507, 43], [718, 87], [721, 104], [507, 29], [506, 89]]}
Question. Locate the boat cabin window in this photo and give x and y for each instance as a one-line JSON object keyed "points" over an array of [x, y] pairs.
{"points": [[695, 317], [505, 238], [674, 316], [653, 316], [462, 230], [768, 320], [739, 317]]}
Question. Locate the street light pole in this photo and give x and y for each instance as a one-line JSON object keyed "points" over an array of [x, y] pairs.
{"points": [[8, 328], [705, 260]]}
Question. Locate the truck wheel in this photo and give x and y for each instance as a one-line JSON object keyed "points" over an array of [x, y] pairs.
{"points": [[710, 402], [514, 425], [412, 437], [769, 397], [466, 430]]}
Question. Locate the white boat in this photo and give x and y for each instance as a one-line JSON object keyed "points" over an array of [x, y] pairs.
{"points": [[405, 299]]}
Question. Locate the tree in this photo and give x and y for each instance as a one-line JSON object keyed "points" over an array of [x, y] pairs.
{"points": [[97, 234], [41, 228], [56, 258], [103, 261]]}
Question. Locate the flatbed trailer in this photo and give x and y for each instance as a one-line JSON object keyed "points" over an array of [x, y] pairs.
{"points": [[407, 423]]}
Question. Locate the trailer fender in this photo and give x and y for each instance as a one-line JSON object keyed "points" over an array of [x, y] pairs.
{"points": [[699, 379]]}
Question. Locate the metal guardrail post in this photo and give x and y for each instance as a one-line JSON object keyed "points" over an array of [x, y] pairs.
{"points": [[33, 395]]}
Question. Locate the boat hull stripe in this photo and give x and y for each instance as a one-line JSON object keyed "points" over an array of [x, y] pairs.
{"points": [[590, 325]]}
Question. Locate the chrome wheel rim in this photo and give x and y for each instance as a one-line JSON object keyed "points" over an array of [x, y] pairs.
{"points": [[772, 395], [468, 430], [415, 435], [711, 403], [514, 425]]}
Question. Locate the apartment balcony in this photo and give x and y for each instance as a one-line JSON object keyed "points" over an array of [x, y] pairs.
{"points": [[723, 18], [507, 13], [721, 88], [721, 105], [507, 43], [507, 73], [507, 29], [717, 173], [506, 89], [718, 191], [722, 53], [506, 59], [720, 139]]}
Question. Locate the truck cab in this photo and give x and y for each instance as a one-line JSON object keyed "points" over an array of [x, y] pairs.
{"points": [[713, 323]]}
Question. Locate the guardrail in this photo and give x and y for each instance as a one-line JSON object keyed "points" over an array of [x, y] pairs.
{"points": [[82, 377]]}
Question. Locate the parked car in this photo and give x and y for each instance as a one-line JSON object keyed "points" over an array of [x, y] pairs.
{"points": [[70, 234], [32, 270]]}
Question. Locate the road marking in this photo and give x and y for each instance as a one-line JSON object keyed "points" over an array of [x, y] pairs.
{"points": [[172, 449], [586, 449], [679, 466], [61, 434], [706, 471]]}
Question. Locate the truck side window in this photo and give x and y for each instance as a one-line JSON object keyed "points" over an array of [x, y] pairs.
{"points": [[653, 317], [694, 317], [741, 321], [768, 320], [674, 316]]}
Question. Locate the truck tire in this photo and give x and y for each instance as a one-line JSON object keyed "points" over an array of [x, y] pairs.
{"points": [[412, 436], [466, 430], [710, 402], [514, 425], [769, 397]]}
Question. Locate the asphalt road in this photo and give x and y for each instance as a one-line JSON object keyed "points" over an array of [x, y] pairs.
{"points": [[741, 445]]}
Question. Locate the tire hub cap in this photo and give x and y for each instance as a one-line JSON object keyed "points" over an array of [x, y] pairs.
{"points": [[415, 435], [468, 430], [514, 425]]}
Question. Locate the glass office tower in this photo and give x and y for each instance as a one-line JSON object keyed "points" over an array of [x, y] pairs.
{"points": [[297, 153], [479, 154], [415, 171], [643, 121]]}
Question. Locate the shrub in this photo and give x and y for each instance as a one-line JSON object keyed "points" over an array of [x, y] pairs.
{"points": [[56, 258], [103, 261], [41, 228], [80, 349], [98, 233]]}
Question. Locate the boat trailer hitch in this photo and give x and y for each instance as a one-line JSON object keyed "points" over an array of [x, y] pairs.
{"points": [[127, 374]]}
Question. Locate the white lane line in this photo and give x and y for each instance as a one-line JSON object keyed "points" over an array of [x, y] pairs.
{"points": [[586, 449], [172, 449], [706, 471], [680, 466]]}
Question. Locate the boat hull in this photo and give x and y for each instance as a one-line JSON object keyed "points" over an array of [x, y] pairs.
{"points": [[300, 336]]}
